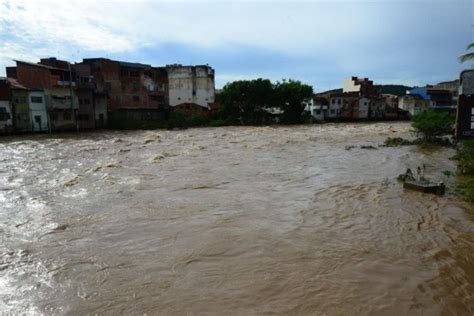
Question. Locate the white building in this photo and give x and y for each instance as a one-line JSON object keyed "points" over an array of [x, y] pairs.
{"points": [[317, 108], [336, 104], [413, 103], [38, 111], [191, 84]]}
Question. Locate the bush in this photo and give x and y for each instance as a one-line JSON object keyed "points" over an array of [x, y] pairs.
{"points": [[396, 142], [433, 124], [465, 157], [218, 123], [197, 119]]}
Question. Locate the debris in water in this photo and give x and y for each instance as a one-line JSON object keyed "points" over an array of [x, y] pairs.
{"points": [[72, 182], [425, 186]]}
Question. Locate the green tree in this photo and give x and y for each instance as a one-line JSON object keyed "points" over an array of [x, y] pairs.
{"points": [[467, 56], [289, 96], [245, 100], [433, 124]]}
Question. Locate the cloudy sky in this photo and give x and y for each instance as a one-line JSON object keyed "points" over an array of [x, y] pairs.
{"points": [[318, 42]]}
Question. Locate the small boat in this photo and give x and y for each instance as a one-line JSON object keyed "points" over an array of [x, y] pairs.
{"points": [[425, 186]]}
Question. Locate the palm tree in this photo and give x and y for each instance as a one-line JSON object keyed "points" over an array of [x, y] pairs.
{"points": [[468, 56]]}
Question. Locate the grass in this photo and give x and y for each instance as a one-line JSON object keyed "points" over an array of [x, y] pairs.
{"points": [[465, 159]]}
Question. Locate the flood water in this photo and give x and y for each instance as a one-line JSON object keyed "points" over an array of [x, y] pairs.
{"points": [[242, 220]]}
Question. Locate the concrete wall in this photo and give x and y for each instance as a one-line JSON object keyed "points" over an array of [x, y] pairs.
{"points": [[349, 85], [191, 84]]}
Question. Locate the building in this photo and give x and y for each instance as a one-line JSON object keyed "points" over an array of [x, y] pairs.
{"points": [[363, 86], [6, 121], [439, 99], [451, 86], [377, 108], [413, 104], [133, 91], [465, 108], [17, 94], [55, 78], [363, 108], [318, 108], [191, 84], [92, 109], [39, 115]]}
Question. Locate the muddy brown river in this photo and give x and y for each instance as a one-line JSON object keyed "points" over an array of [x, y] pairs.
{"points": [[239, 220]]}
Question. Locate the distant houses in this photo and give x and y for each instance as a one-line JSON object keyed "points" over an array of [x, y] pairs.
{"points": [[54, 95], [360, 99]]}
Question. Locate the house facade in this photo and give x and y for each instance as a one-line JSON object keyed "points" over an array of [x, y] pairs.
{"points": [[191, 84], [39, 116], [413, 104], [138, 91], [56, 80]]}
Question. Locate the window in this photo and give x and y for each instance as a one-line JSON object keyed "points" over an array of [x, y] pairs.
{"points": [[83, 117], [333, 101], [134, 73], [339, 101], [54, 116], [136, 98], [318, 112], [36, 99], [332, 112], [38, 119], [124, 73]]}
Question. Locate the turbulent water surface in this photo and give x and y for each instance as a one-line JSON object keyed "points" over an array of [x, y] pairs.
{"points": [[236, 219]]}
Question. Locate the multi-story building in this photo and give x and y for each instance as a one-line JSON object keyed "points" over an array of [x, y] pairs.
{"points": [[318, 108], [6, 122], [56, 79], [133, 90], [439, 99], [17, 95], [39, 114], [92, 99], [191, 84], [363, 86]]}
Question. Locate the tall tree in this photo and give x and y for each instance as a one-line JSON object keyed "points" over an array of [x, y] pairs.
{"points": [[244, 100], [289, 96]]}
